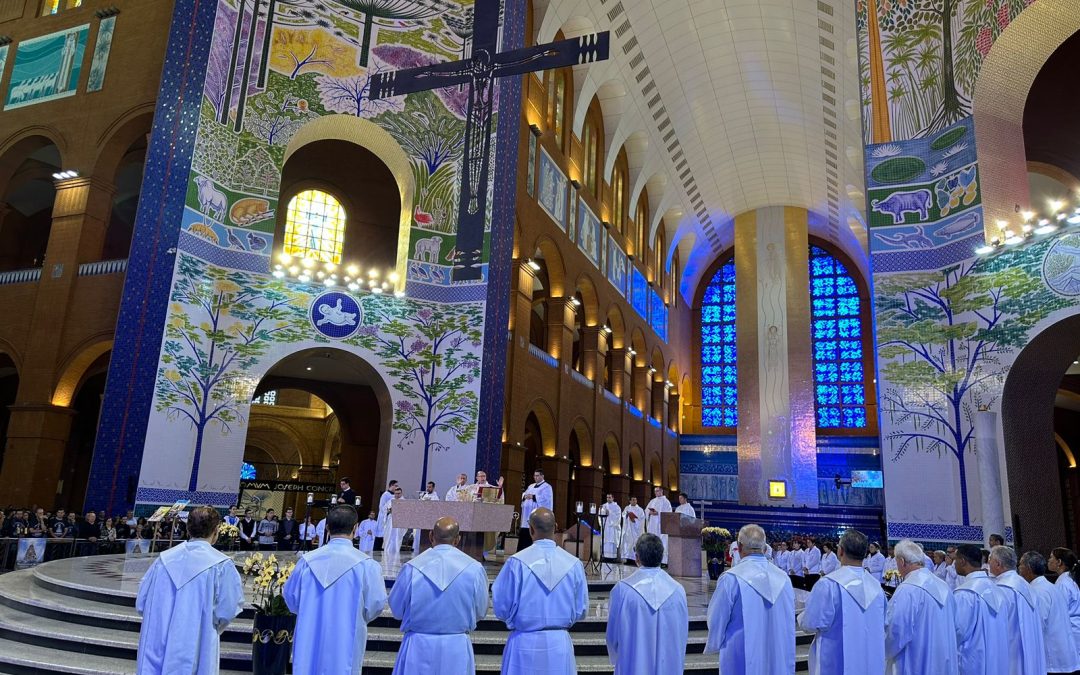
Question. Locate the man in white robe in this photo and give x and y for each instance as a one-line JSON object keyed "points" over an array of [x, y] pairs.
{"points": [[951, 577], [384, 498], [920, 624], [846, 611], [610, 516], [783, 557], [797, 563], [829, 562], [875, 562], [452, 493], [1026, 652], [539, 594], [685, 507], [394, 535], [477, 491], [633, 521], [1058, 643], [648, 618], [537, 495], [365, 533], [1063, 562], [811, 564], [735, 554], [186, 599], [982, 639], [335, 592], [751, 615], [439, 596], [657, 505], [428, 495]]}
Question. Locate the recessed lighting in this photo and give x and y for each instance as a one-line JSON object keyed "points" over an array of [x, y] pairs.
{"points": [[308, 368]]}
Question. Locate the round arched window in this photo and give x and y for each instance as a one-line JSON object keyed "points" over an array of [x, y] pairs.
{"points": [[315, 227]]}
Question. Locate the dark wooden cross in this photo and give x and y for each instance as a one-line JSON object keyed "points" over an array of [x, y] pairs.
{"points": [[479, 73]]}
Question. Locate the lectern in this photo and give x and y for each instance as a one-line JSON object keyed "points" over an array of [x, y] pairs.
{"points": [[474, 519], [684, 543]]}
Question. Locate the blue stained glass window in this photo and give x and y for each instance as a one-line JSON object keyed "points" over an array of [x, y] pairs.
{"points": [[247, 471], [719, 392], [839, 376]]}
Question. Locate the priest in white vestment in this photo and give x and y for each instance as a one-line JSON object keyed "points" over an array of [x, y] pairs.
{"points": [[751, 615], [657, 505], [920, 624], [982, 632], [453, 494], [846, 611], [335, 592], [875, 563], [439, 596], [393, 535], [365, 533], [537, 495], [186, 599], [648, 618], [539, 594], [384, 499], [610, 517], [1058, 643], [1063, 562], [477, 490], [633, 522], [685, 507], [1026, 652], [428, 495]]}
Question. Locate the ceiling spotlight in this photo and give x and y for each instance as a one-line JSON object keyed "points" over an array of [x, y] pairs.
{"points": [[329, 267], [308, 263], [304, 278], [1055, 205], [64, 175], [279, 274], [285, 258], [353, 270], [1027, 215], [354, 287], [575, 302], [308, 368], [393, 277], [329, 282], [632, 352]]}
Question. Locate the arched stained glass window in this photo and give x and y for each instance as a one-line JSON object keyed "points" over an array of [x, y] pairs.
{"points": [[836, 319], [315, 227], [719, 392]]}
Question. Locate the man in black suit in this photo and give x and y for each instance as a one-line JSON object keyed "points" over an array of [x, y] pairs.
{"points": [[287, 531], [347, 495]]}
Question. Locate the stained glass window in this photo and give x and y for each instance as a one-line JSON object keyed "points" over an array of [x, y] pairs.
{"points": [[247, 471], [719, 387], [315, 227], [836, 332], [268, 398]]}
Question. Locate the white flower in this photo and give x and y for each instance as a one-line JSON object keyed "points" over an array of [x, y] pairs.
{"points": [[955, 150], [888, 150], [939, 168]]}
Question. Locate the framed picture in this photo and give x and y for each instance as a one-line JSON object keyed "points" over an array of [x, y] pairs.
{"points": [[552, 189], [590, 234], [47, 67]]}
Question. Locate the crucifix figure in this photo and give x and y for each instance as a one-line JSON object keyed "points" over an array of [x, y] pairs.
{"points": [[479, 73]]}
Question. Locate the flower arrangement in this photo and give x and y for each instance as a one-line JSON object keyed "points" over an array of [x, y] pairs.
{"points": [[227, 535], [892, 576], [716, 540], [268, 576]]}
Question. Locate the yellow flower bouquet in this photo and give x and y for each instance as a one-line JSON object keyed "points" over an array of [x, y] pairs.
{"points": [[267, 576], [227, 536]]}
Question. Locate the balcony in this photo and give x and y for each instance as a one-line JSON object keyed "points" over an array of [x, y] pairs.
{"points": [[26, 276], [543, 356]]}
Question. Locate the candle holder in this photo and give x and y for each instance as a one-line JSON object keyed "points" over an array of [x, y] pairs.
{"points": [[592, 509], [578, 507]]}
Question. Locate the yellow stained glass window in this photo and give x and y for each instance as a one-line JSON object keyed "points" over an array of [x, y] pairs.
{"points": [[50, 7], [315, 227]]}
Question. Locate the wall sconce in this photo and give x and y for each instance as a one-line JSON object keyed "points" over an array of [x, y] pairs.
{"points": [[631, 352], [536, 131], [652, 371], [64, 175], [533, 265], [606, 329], [574, 301], [576, 183]]}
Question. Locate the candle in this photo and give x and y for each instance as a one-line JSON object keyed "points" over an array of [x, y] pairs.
{"points": [[333, 500], [592, 509], [357, 502], [310, 497], [578, 507]]}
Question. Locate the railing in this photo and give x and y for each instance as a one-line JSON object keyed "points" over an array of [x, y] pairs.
{"points": [[634, 410], [653, 421], [612, 397], [20, 276], [543, 356], [581, 379], [91, 269]]}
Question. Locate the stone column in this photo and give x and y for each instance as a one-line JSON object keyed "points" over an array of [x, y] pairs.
{"points": [[37, 438], [557, 472], [674, 412], [513, 471], [640, 384], [776, 439], [658, 389], [560, 321], [589, 485], [619, 376], [620, 487], [590, 354]]}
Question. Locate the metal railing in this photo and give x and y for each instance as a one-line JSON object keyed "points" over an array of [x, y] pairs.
{"points": [[581, 379], [20, 276], [91, 269], [543, 356]]}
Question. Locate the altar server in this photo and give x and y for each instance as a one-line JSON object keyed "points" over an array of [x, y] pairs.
{"points": [[539, 594], [633, 520], [335, 592], [428, 495], [685, 507], [394, 535], [384, 498], [751, 615], [537, 495], [982, 639], [648, 617], [657, 505], [1061, 656], [920, 624], [439, 596], [611, 515], [1026, 655], [846, 610], [365, 533], [1063, 562], [187, 598]]}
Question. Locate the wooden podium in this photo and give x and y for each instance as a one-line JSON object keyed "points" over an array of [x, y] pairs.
{"points": [[474, 519], [684, 543]]}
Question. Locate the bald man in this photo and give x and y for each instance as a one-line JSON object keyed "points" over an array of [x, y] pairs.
{"points": [[540, 593], [439, 596]]}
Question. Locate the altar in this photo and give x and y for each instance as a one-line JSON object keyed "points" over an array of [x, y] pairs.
{"points": [[473, 518]]}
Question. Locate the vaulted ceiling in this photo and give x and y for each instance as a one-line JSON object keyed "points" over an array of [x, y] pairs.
{"points": [[725, 106]]}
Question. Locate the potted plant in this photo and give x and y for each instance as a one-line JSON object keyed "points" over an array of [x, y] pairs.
{"points": [[272, 636], [715, 541], [227, 537]]}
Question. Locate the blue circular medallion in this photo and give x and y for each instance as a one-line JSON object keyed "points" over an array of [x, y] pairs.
{"points": [[335, 314]]}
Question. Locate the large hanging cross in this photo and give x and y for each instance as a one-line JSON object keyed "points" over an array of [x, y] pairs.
{"points": [[479, 73]]}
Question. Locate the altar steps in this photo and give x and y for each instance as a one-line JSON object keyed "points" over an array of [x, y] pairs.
{"points": [[52, 624]]}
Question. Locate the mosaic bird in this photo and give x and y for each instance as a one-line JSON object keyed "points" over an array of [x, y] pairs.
{"points": [[234, 241], [255, 242], [422, 218]]}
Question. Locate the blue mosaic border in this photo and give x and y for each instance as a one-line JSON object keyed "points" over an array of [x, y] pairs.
{"points": [[223, 257], [926, 259], [936, 532], [140, 324], [500, 257], [159, 496], [416, 290]]}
